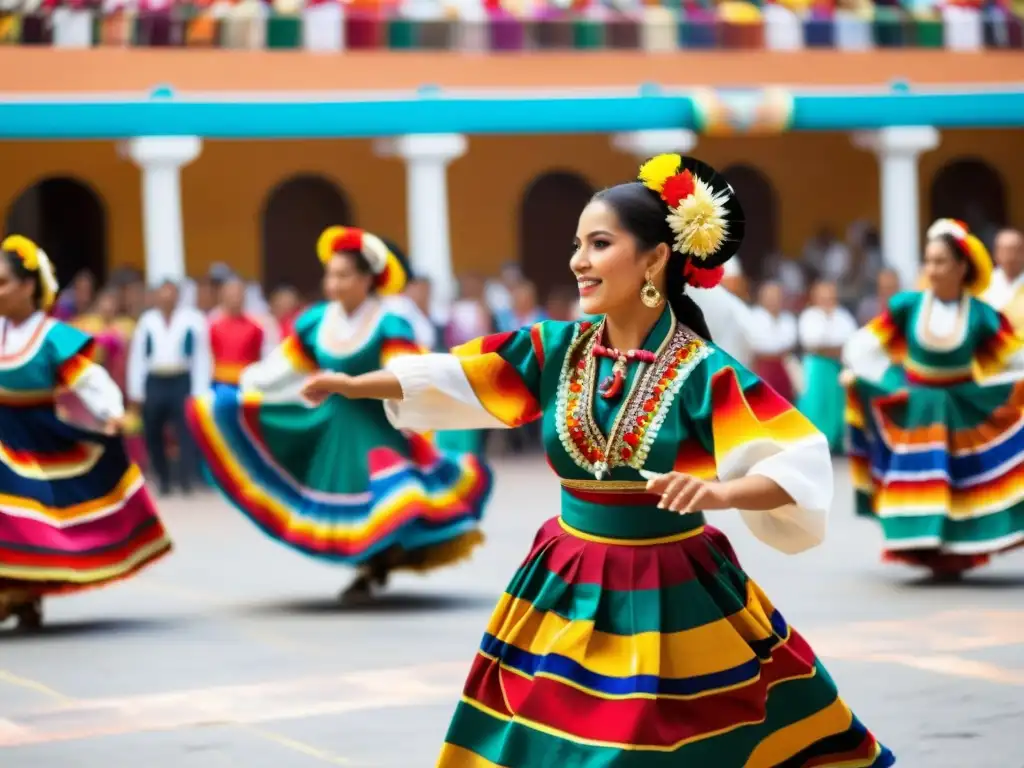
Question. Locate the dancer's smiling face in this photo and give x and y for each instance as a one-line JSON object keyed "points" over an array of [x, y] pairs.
{"points": [[609, 262], [348, 280]]}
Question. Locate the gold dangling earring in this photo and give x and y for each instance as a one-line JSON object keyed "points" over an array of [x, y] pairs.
{"points": [[649, 294]]}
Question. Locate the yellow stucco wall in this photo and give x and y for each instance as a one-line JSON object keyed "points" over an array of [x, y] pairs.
{"points": [[819, 178]]}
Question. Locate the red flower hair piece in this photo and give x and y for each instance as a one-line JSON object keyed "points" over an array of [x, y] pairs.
{"points": [[677, 188], [349, 240], [703, 278]]}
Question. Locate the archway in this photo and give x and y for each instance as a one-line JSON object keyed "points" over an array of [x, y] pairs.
{"points": [[296, 211], [761, 210], [68, 219], [548, 214], [973, 191]]}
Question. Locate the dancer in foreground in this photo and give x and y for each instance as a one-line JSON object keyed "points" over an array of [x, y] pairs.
{"points": [[631, 636], [337, 481], [74, 510], [936, 454]]}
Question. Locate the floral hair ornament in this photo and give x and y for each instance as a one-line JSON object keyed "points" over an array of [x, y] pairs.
{"points": [[35, 260], [971, 248], [703, 212], [390, 275]]}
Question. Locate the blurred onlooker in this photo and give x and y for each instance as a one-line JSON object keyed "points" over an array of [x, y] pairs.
{"points": [[563, 304], [823, 329], [168, 362], [826, 257], [865, 263], [772, 336], [1006, 291], [285, 307], [735, 281], [524, 309], [886, 286], [77, 298], [498, 293], [206, 295], [470, 316], [408, 305]]}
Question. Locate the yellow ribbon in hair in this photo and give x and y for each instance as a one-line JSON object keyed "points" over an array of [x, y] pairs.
{"points": [[27, 251]]}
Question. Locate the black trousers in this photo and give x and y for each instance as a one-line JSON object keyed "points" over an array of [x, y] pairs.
{"points": [[165, 406]]}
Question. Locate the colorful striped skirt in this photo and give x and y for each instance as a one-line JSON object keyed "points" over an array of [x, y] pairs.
{"points": [[614, 653], [74, 510], [941, 468], [338, 483]]}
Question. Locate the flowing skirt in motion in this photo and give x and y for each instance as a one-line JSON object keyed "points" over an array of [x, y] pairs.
{"points": [[941, 468], [74, 510], [605, 653], [338, 483]]}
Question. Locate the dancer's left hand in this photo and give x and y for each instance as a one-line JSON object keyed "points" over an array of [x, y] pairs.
{"points": [[685, 493], [114, 426]]}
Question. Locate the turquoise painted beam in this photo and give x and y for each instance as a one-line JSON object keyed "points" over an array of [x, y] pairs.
{"points": [[994, 109], [164, 114], [339, 119]]}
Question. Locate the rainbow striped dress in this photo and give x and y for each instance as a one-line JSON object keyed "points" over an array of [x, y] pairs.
{"points": [[631, 636], [74, 511], [337, 481], [937, 457]]}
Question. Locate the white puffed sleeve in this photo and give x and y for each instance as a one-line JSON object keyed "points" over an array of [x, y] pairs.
{"points": [[98, 392], [754, 431], [489, 383]]}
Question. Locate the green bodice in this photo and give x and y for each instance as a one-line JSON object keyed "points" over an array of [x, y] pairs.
{"points": [[661, 421], [332, 442], [37, 369], [928, 358]]}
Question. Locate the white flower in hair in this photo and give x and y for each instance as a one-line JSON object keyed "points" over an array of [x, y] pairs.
{"points": [[699, 221]]}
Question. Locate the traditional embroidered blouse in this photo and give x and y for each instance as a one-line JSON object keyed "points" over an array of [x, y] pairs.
{"points": [[42, 355], [324, 337], [935, 343], [694, 410]]}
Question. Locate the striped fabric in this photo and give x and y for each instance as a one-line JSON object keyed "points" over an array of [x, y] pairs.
{"points": [[74, 510], [935, 456], [337, 482], [646, 653]]}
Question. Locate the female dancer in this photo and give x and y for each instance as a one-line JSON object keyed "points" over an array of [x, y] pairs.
{"points": [[74, 512], [933, 452], [338, 482], [631, 636]]}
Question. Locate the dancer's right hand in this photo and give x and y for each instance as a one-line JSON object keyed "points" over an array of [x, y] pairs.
{"points": [[320, 386], [847, 377]]}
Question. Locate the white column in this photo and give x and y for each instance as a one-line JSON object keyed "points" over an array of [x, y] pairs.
{"points": [[647, 144], [898, 150], [161, 159], [426, 193]]}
